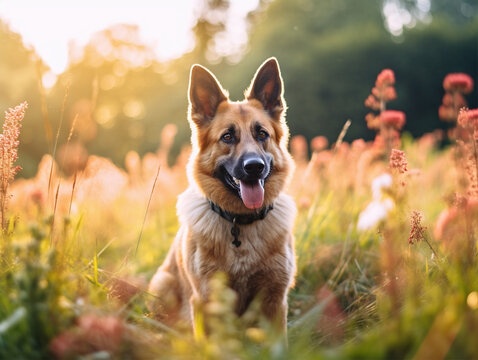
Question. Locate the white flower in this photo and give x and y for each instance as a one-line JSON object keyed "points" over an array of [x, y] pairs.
{"points": [[379, 183], [375, 212], [378, 209]]}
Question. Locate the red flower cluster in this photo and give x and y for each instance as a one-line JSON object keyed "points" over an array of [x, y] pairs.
{"points": [[468, 136], [468, 119], [459, 82], [384, 89], [319, 143], [388, 123], [382, 92], [417, 231], [398, 161], [455, 85], [92, 334], [393, 118]]}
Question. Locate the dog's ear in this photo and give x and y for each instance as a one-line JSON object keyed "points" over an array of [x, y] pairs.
{"points": [[267, 87], [205, 95]]}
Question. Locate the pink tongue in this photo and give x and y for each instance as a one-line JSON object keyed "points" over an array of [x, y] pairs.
{"points": [[252, 195]]}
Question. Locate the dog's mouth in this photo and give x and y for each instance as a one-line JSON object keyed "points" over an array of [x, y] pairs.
{"points": [[251, 191]]}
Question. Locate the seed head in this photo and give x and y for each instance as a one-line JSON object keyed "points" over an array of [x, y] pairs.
{"points": [[417, 231], [9, 143], [398, 161]]}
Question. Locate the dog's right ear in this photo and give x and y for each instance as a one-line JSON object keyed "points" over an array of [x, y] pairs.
{"points": [[205, 95]]}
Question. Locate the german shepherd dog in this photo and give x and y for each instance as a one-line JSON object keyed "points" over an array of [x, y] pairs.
{"points": [[235, 217]]}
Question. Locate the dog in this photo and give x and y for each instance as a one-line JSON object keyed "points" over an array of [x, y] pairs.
{"points": [[234, 217]]}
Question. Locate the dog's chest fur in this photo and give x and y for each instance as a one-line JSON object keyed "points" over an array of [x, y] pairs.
{"points": [[210, 239]]}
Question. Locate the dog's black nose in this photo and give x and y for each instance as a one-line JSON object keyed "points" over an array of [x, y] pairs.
{"points": [[254, 166]]}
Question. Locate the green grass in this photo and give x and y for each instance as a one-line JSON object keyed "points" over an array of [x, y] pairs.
{"points": [[358, 295]]}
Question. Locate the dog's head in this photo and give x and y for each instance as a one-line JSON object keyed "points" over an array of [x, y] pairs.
{"points": [[240, 159]]}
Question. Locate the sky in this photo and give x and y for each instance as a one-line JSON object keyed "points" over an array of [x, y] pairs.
{"points": [[52, 26]]}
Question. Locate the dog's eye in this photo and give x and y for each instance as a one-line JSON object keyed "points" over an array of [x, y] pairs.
{"points": [[227, 138], [262, 135]]}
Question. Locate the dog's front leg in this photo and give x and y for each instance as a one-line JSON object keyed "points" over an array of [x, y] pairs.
{"points": [[274, 308], [197, 302], [271, 287]]}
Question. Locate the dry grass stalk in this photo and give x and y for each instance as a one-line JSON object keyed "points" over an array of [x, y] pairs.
{"points": [[340, 139], [67, 91], [147, 209], [8, 154], [44, 108]]}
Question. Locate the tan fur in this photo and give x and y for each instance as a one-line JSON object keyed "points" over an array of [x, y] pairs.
{"points": [[265, 262]]}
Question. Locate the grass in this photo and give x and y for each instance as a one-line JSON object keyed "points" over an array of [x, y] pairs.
{"points": [[73, 270]]}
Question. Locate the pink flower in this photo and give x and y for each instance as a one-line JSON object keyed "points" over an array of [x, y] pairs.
{"points": [[373, 121], [332, 319], [298, 148], [385, 78], [446, 113], [398, 161], [92, 334], [468, 119], [417, 230], [393, 118], [458, 82], [319, 143], [372, 102]]}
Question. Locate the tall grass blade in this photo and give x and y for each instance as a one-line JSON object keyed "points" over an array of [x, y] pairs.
{"points": [[340, 139], [147, 210], [53, 153]]}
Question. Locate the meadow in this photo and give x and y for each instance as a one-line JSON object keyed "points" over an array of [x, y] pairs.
{"points": [[385, 240]]}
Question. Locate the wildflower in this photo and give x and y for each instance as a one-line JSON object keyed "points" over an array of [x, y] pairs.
{"points": [[72, 157], [458, 82], [455, 224], [319, 143], [8, 153], [398, 161], [385, 78], [372, 102], [387, 123], [358, 145], [332, 318], [92, 334], [379, 207], [383, 181], [374, 213], [373, 121], [167, 136], [446, 113], [468, 146], [455, 85], [393, 118], [304, 202], [468, 119], [417, 231], [298, 148]]}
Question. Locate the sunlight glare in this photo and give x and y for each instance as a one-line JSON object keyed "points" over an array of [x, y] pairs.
{"points": [[52, 27]]}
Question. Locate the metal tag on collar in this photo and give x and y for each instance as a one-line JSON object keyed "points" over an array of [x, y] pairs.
{"points": [[235, 232]]}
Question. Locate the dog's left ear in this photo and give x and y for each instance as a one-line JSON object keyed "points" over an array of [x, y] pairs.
{"points": [[267, 87], [205, 95]]}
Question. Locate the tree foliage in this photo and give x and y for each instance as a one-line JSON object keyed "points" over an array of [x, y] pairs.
{"points": [[330, 52]]}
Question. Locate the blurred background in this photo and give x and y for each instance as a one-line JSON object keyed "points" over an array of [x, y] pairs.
{"points": [[119, 69]]}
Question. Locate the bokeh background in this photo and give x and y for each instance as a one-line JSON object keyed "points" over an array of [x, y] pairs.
{"points": [[125, 77]]}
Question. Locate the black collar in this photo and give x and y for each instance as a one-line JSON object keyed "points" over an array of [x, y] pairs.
{"points": [[241, 219]]}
